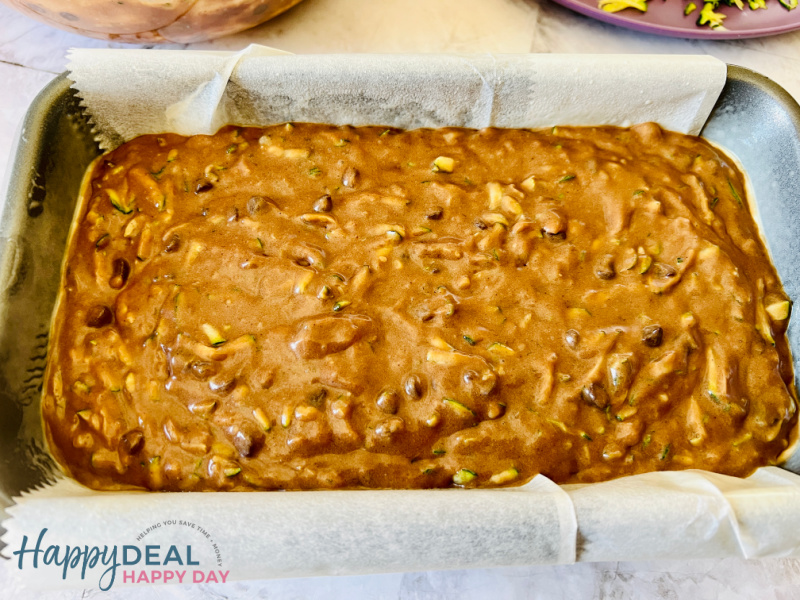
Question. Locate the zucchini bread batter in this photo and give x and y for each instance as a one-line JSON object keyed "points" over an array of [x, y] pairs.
{"points": [[308, 306]]}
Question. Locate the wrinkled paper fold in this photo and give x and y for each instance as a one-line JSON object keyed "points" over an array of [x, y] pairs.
{"points": [[288, 534], [198, 92]]}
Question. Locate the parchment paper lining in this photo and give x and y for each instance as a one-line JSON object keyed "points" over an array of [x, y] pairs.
{"points": [[262, 535]]}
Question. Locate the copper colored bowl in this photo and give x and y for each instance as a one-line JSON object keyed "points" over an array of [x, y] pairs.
{"points": [[152, 21]]}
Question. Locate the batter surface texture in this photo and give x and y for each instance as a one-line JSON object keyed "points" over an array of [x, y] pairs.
{"points": [[308, 306]]}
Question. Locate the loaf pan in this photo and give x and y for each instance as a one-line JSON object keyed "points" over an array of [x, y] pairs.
{"points": [[754, 119]]}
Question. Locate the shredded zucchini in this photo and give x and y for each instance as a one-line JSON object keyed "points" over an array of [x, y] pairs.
{"points": [[708, 15], [737, 3], [613, 6]]}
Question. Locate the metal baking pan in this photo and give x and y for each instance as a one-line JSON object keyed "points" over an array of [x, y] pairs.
{"points": [[754, 118]]}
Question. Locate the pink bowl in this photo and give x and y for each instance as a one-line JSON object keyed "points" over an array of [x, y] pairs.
{"points": [[667, 18], [152, 21]]}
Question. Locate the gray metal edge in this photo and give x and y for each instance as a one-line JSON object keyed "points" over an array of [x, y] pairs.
{"points": [[758, 121], [32, 210], [21, 188]]}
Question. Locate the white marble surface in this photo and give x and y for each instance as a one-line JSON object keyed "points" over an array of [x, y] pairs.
{"points": [[31, 54]]}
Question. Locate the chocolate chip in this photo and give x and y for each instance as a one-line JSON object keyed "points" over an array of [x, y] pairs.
{"points": [[173, 244], [324, 204], [652, 335], [662, 270], [317, 398], [595, 395], [413, 387], [203, 186], [436, 214], [99, 316], [479, 385], [132, 442], [605, 268], [122, 270], [388, 401]]}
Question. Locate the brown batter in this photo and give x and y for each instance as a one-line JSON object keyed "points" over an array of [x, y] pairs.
{"points": [[306, 306]]}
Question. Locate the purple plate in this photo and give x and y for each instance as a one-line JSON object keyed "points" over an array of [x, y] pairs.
{"points": [[665, 17]]}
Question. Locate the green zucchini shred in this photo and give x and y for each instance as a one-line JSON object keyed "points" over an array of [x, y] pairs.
{"points": [[708, 17], [665, 452], [737, 3], [613, 6], [735, 194]]}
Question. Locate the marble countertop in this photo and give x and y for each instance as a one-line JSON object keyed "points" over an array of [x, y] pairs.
{"points": [[32, 54]]}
